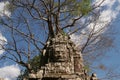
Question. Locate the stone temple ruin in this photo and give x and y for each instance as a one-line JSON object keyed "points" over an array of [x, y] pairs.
{"points": [[61, 61]]}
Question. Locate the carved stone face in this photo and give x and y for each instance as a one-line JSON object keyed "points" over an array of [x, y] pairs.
{"points": [[60, 56], [58, 49]]}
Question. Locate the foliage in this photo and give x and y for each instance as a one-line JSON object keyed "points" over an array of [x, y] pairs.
{"points": [[87, 67], [9, 6], [80, 7], [35, 65]]}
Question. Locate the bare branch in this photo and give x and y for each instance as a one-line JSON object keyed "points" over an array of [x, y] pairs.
{"points": [[73, 22]]}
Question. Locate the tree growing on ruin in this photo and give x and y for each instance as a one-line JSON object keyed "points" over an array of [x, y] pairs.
{"points": [[33, 22]]}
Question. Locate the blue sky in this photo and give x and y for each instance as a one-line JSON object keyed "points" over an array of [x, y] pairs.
{"points": [[110, 13]]}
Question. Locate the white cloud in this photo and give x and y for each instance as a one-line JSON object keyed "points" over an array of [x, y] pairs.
{"points": [[109, 3], [3, 41], [3, 12], [3, 9], [112, 9], [107, 15], [10, 72], [78, 40]]}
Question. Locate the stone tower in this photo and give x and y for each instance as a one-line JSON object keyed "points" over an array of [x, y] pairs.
{"points": [[61, 61]]}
